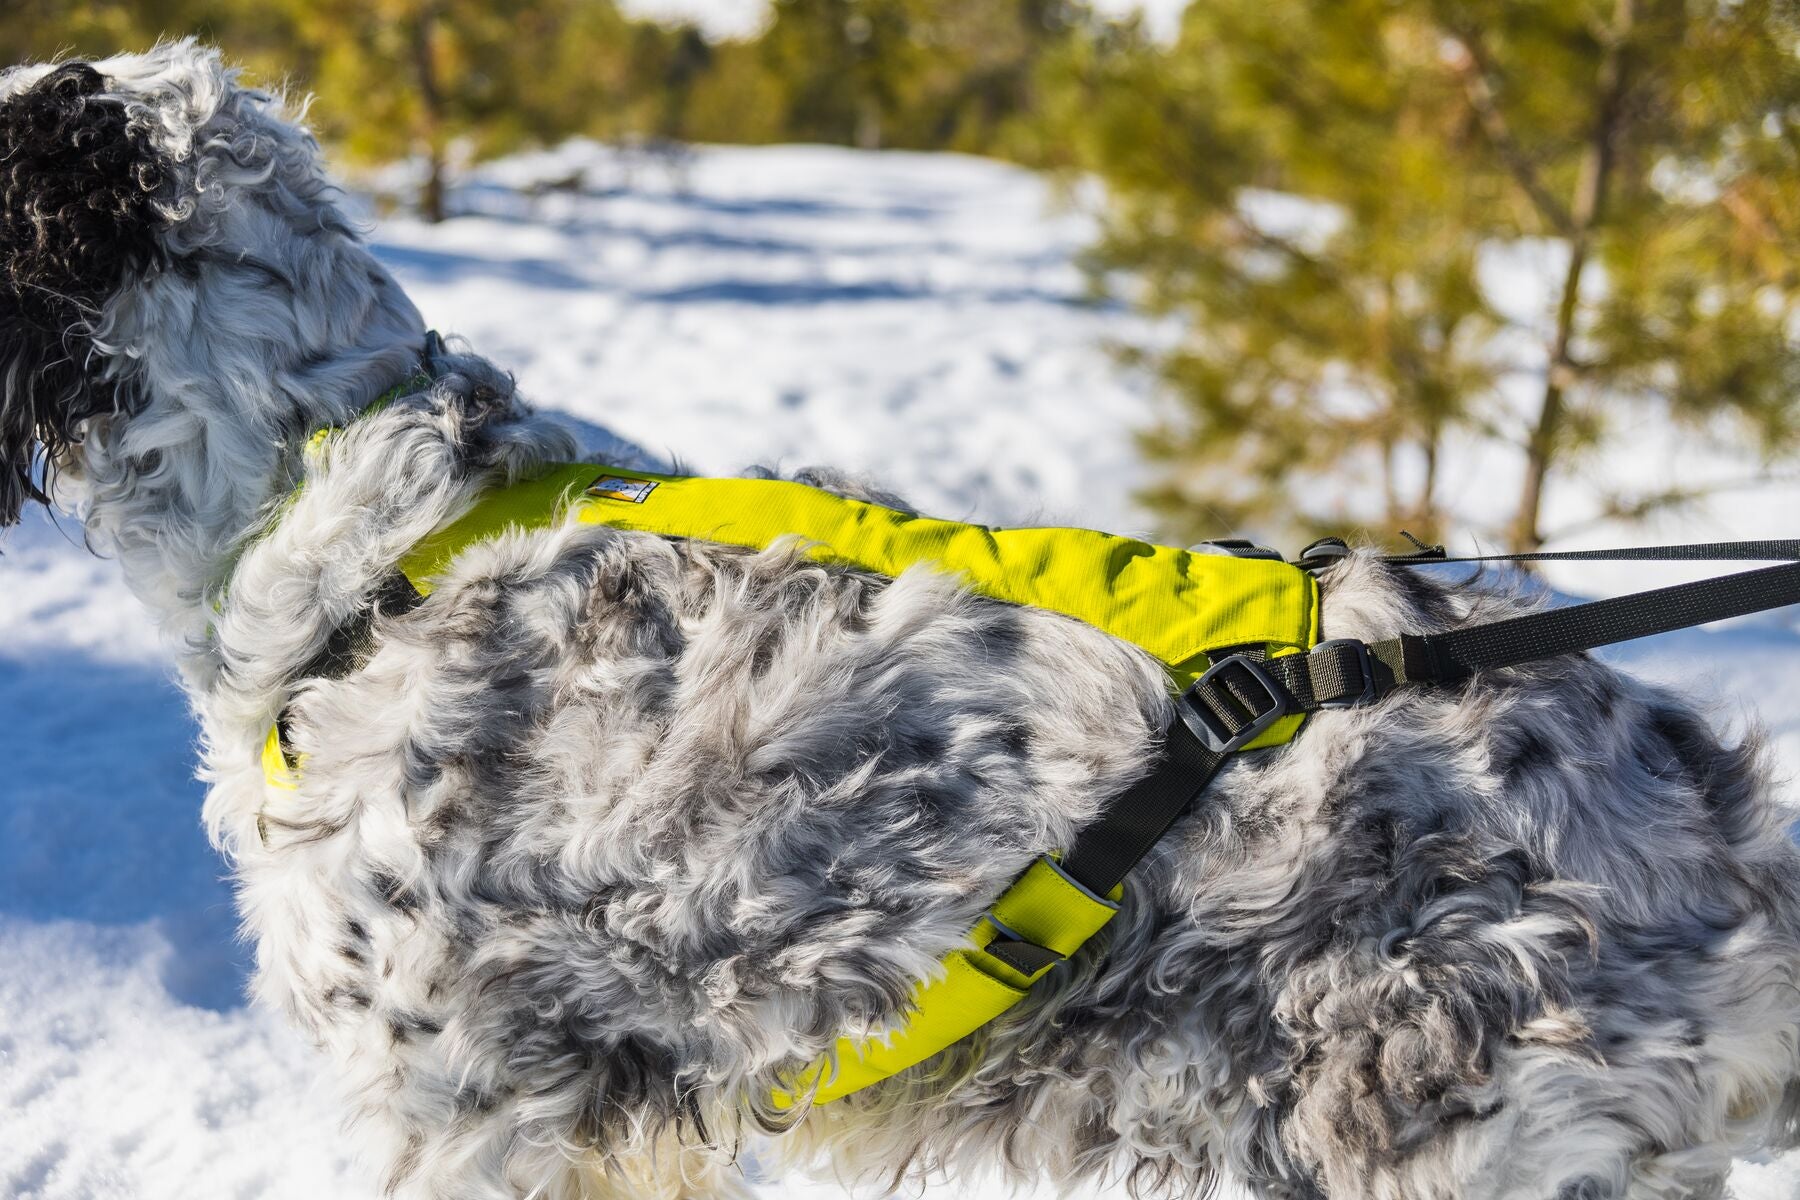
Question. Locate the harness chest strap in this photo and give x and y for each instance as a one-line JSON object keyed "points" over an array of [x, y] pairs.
{"points": [[1177, 605]]}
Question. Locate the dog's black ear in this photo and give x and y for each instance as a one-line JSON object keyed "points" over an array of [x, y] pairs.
{"points": [[78, 183]]}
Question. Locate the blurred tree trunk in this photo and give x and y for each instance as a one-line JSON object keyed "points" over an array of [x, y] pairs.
{"points": [[431, 112], [868, 123], [1585, 215]]}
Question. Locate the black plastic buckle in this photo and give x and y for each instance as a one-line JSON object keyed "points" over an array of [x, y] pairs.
{"points": [[1363, 661], [1209, 727], [1322, 553], [1240, 548]]}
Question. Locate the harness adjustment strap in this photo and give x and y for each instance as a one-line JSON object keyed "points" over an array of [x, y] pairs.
{"points": [[1044, 917], [1238, 692], [1027, 958]]}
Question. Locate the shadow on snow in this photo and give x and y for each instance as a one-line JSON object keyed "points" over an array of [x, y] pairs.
{"points": [[100, 816]]}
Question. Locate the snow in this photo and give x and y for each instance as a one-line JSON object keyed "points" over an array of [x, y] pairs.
{"points": [[917, 317], [716, 18], [744, 18]]}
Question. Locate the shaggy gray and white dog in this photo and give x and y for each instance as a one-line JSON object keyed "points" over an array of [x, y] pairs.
{"points": [[613, 832]]}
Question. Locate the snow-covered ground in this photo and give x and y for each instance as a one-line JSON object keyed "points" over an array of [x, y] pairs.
{"points": [[913, 316]]}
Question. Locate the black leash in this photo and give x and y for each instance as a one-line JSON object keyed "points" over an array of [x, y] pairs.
{"points": [[1243, 694], [1769, 550]]}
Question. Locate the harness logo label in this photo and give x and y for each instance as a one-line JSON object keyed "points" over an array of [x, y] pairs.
{"points": [[613, 487]]}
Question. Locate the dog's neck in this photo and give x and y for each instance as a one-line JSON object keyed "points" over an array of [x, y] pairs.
{"points": [[174, 489]]}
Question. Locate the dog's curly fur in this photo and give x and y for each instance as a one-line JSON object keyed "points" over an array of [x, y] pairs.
{"points": [[612, 831], [79, 212]]}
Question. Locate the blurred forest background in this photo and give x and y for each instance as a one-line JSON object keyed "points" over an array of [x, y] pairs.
{"points": [[1306, 189]]}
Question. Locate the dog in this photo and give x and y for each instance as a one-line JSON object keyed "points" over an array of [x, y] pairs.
{"points": [[613, 833]]}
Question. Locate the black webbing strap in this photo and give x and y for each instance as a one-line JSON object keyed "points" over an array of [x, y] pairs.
{"points": [[1443, 657], [1768, 550], [1242, 695], [1135, 821], [348, 646]]}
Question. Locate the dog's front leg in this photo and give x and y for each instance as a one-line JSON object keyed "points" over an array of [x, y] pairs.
{"points": [[666, 1170], [513, 1158]]}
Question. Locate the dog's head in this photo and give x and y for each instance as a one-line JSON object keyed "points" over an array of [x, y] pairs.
{"points": [[164, 232]]}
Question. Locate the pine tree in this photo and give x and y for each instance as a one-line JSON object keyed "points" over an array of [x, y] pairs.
{"points": [[919, 74], [35, 30], [1654, 141], [396, 77]]}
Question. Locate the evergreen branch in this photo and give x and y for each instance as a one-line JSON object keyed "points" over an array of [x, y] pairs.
{"points": [[1248, 229], [1747, 216], [1477, 71]]}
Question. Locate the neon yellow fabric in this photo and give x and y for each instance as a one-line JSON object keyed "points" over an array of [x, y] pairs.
{"points": [[1047, 907], [1044, 906], [1176, 605], [274, 764]]}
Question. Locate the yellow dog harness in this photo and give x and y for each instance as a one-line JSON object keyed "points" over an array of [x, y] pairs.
{"points": [[1238, 636], [1184, 608]]}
